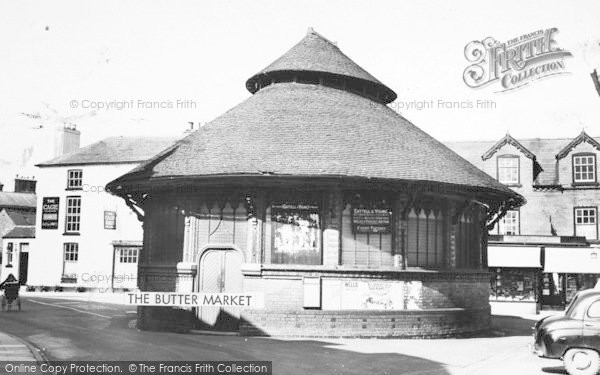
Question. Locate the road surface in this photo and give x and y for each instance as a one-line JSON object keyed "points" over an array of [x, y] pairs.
{"points": [[80, 330]]}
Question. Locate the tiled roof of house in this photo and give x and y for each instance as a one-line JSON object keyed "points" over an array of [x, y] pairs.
{"points": [[21, 232], [17, 200], [545, 151], [114, 150], [19, 217], [311, 130]]}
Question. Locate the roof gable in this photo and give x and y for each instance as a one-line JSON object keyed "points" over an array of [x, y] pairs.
{"points": [[582, 137], [507, 140]]}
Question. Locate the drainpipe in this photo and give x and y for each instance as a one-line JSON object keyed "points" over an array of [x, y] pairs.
{"points": [[112, 274]]}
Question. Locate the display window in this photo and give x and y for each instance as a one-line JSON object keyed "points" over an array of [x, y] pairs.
{"points": [[296, 233]]}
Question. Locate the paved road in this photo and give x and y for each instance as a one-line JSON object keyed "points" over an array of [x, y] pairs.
{"points": [[80, 330]]}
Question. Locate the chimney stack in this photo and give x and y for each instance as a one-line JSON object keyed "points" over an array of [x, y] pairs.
{"points": [[25, 184], [66, 139], [191, 129]]}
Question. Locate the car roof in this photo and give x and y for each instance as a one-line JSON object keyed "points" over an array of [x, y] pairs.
{"points": [[588, 293]]}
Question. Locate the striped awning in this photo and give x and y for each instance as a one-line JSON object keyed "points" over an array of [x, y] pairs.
{"points": [[514, 256]]}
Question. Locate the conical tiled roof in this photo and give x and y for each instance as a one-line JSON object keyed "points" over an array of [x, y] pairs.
{"points": [[320, 58], [290, 129]]}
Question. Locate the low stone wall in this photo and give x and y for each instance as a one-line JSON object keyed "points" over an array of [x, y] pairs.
{"points": [[392, 324]]}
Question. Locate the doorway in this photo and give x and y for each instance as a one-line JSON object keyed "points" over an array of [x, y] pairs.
{"points": [[220, 272], [23, 263]]}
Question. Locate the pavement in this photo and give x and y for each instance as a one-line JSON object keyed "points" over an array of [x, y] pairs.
{"points": [[68, 328], [15, 349]]}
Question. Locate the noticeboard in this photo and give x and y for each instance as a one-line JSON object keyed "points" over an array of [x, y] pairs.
{"points": [[371, 220], [50, 207]]}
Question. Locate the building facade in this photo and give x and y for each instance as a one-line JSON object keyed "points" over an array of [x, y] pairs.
{"points": [[347, 218], [87, 239], [16, 241], [17, 228], [542, 253]]}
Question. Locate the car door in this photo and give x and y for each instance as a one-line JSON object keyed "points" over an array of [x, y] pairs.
{"points": [[591, 325]]}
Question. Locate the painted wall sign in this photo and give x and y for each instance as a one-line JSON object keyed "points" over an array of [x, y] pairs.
{"points": [[371, 220], [50, 206]]}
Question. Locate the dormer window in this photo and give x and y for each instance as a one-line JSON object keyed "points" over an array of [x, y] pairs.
{"points": [[584, 168], [508, 169]]}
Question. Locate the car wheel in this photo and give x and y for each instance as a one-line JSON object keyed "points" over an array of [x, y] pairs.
{"points": [[582, 361]]}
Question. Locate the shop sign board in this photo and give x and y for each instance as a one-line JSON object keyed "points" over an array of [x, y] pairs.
{"points": [[371, 220], [50, 207]]}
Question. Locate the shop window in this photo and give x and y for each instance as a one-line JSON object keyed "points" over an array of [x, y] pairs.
{"points": [[71, 251], [424, 235], [73, 215], [128, 255], [586, 222], [508, 169], [296, 233], [509, 225], [513, 285], [74, 179], [584, 168]]}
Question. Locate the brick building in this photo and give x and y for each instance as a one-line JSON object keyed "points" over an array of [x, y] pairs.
{"points": [[348, 218], [543, 252]]}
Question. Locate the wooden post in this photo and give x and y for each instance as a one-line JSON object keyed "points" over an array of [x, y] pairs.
{"points": [[332, 227]]}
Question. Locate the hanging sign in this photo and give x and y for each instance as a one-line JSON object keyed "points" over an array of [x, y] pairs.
{"points": [[50, 212]]}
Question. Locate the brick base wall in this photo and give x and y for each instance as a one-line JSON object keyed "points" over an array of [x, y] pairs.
{"points": [[397, 324]]}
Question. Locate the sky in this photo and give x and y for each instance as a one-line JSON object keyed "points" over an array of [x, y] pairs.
{"points": [[61, 59]]}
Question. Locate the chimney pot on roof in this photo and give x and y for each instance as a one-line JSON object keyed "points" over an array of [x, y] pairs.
{"points": [[25, 185]]}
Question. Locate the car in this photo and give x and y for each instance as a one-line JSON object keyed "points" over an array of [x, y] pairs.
{"points": [[573, 337]]}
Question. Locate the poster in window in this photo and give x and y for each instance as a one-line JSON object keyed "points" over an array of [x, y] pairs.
{"points": [[110, 220], [296, 233], [371, 220], [50, 207]]}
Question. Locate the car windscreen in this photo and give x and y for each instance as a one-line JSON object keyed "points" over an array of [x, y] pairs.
{"points": [[571, 309]]}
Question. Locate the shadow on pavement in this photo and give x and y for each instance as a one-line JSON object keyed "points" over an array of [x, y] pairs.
{"points": [[504, 325]]}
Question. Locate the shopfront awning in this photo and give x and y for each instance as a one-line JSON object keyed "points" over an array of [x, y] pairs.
{"points": [[514, 256], [572, 260]]}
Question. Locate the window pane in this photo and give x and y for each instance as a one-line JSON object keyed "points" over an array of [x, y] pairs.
{"points": [[73, 214], [584, 168], [594, 310], [508, 170]]}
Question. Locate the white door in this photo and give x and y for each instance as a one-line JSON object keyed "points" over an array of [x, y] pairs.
{"points": [[220, 273]]}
